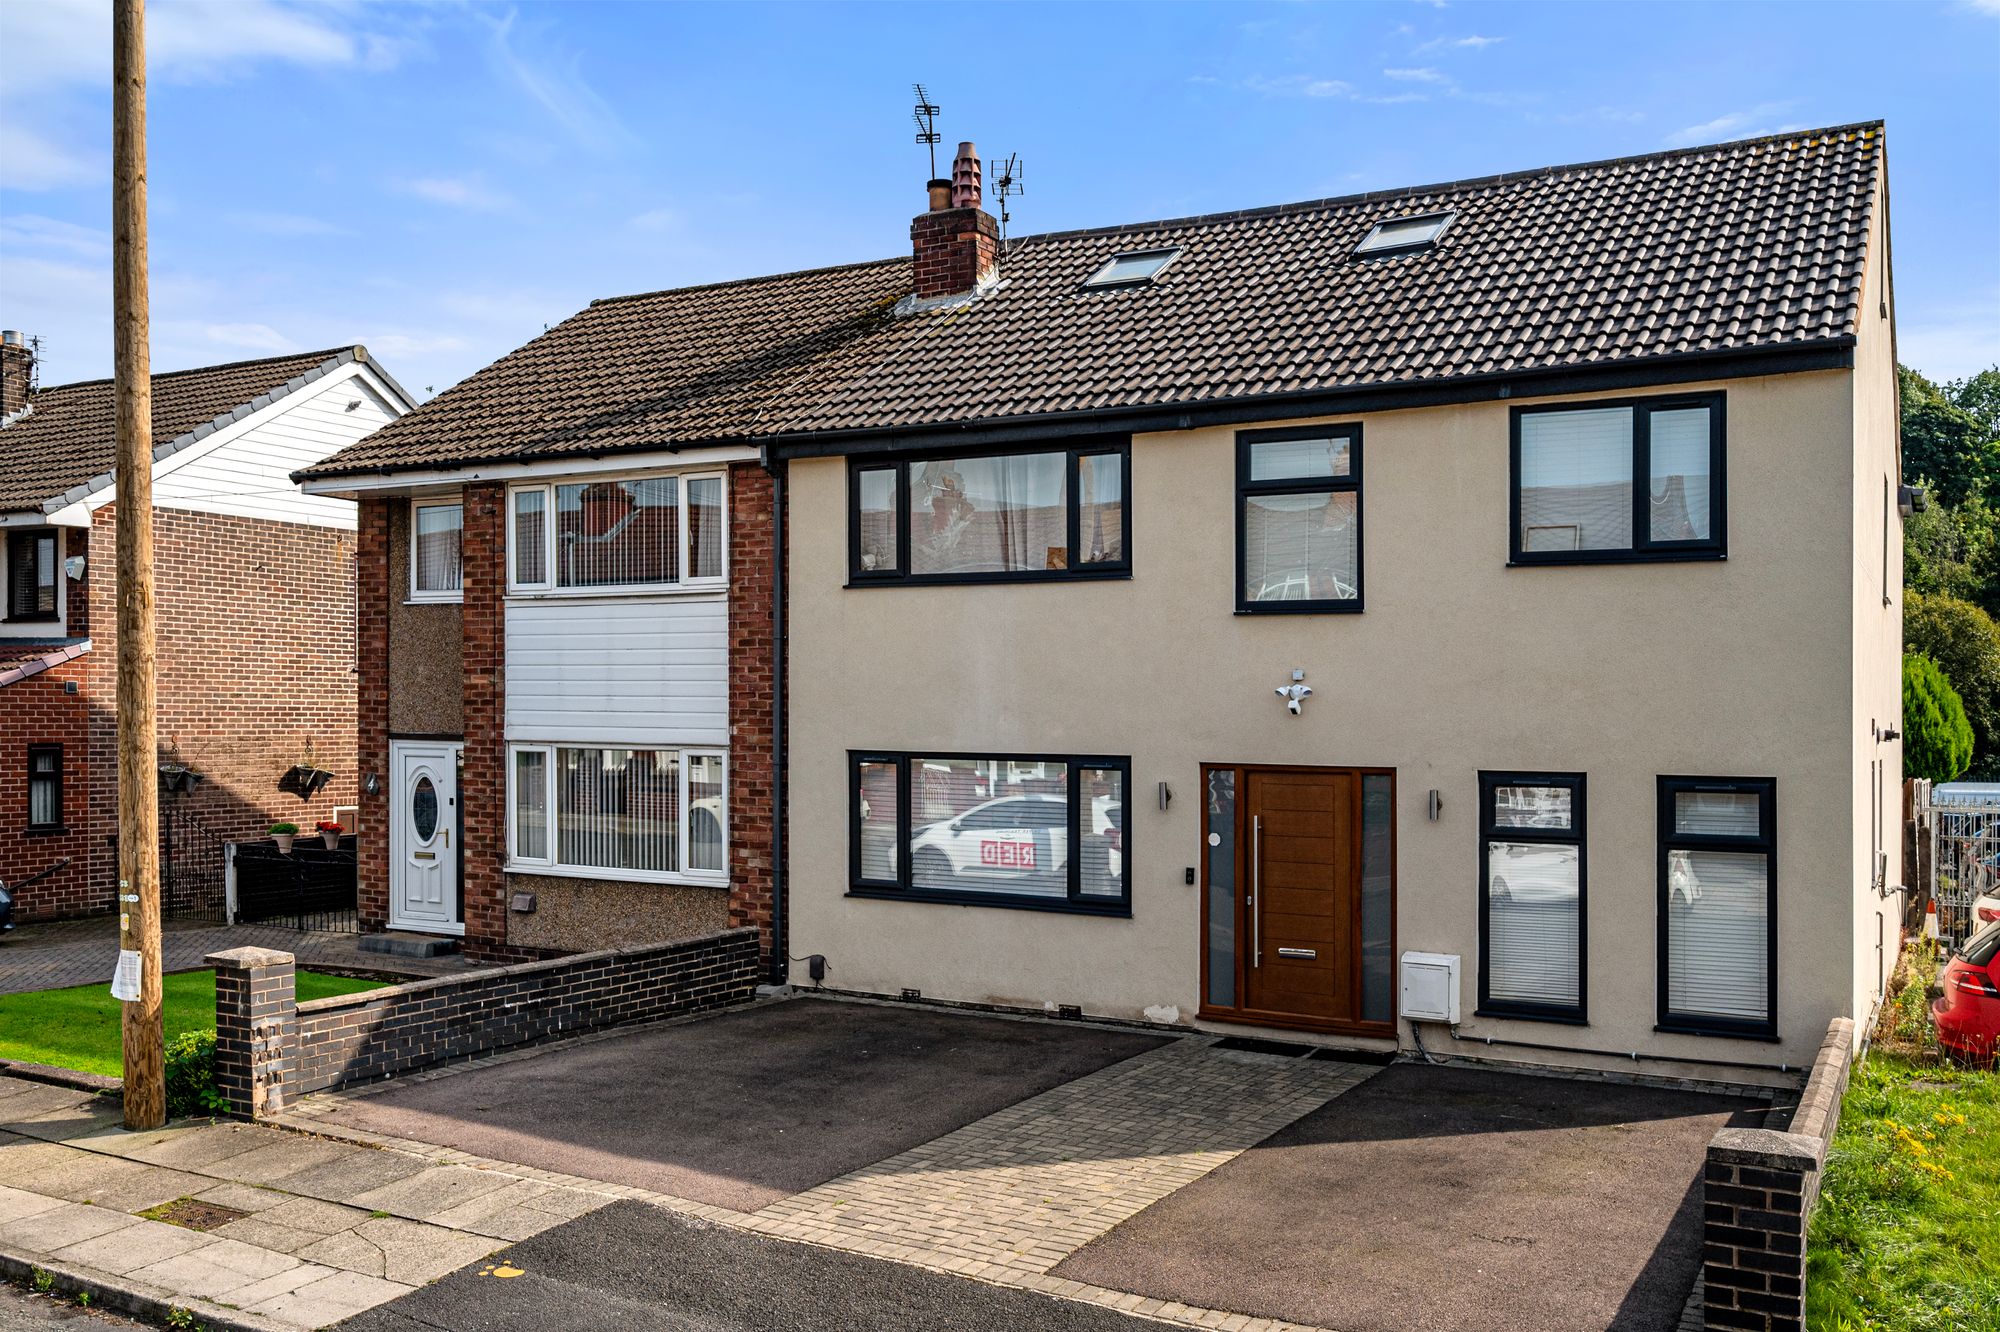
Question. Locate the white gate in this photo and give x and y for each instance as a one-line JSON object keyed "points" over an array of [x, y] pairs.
{"points": [[1965, 852]]}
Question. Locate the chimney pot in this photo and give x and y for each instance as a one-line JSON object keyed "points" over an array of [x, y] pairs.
{"points": [[965, 178], [940, 195]]}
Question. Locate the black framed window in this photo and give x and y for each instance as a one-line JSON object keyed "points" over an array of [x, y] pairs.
{"points": [[1718, 930], [1601, 482], [45, 787], [1025, 515], [33, 578], [1044, 832], [1298, 520], [1533, 933]]}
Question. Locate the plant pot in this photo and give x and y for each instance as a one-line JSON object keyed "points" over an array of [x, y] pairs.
{"points": [[284, 841], [332, 840]]}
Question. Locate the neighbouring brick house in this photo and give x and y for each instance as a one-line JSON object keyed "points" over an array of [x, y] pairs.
{"points": [[1592, 765], [254, 613]]}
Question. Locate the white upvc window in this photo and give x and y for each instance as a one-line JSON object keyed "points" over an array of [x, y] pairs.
{"points": [[647, 815], [437, 564], [659, 532]]}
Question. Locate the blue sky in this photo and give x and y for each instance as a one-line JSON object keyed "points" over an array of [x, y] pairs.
{"points": [[440, 181]]}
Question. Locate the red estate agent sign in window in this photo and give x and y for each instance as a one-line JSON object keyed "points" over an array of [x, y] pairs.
{"points": [[997, 854]]}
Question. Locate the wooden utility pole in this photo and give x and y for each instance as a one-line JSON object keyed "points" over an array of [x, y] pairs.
{"points": [[138, 761]]}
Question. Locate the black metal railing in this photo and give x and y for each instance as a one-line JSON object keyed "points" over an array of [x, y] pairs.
{"points": [[312, 888]]}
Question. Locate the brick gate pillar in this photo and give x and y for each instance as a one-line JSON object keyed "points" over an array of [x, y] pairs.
{"points": [[256, 1028]]}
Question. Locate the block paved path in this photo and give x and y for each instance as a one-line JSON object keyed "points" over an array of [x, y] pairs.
{"points": [[82, 952]]}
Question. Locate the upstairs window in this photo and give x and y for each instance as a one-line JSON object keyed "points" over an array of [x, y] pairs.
{"points": [[649, 533], [1000, 517], [1298, 520], [1601, 482], [437, 570], [33, 555]]}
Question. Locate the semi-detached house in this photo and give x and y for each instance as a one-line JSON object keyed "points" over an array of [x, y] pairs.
{"points": [[1475, 603]]}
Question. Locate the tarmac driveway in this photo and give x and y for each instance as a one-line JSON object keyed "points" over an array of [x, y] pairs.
{"points": [[1444, 1199], [747, 1107]]}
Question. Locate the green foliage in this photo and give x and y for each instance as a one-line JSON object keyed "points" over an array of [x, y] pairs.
{"points": [[1955, 551], [1964, 641], [1949, 438], [280, 829], [1937, 739], [42, 1280], [191, 1076]]}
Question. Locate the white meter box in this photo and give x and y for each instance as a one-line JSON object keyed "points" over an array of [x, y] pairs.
{"points": [[1430, 987]]}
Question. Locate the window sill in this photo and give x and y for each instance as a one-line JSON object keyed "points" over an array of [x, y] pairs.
{"points": [[32, 619], [997, 579], [1518, 561], [1763, 1035], [673, 590], [435, 601], [1302, 608], [1059, 905], [620, 876], [45, 830], [1499, 1012]]}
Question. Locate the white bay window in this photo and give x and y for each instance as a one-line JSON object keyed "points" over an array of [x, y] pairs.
{"points": [[656, 815]]}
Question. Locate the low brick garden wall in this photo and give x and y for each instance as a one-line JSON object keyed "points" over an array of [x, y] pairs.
{"points": [[270, 1049], [1759, 1187]]}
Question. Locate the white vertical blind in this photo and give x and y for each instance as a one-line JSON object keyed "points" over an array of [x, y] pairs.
{"points": [[880, 800], [618, 808], [436, 558], [1576, 479], [531, 524], [1680, 480], [610, 533], [1717, 954], [708, 848], [704, 498], [1533, 903], [1102, 859], [531, 804]]}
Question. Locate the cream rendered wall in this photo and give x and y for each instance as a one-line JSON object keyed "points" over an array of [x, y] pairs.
{"points": [[1735, 668], [1878, 627]]}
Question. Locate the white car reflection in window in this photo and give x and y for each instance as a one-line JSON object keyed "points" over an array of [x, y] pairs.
{"points": [[1016, 844]]}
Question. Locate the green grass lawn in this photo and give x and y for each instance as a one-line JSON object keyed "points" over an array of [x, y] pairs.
{"points": [[1906, 1237], [79, 1028]]}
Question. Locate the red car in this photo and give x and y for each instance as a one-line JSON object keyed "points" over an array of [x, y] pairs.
{"points": [[1967, 1007]]}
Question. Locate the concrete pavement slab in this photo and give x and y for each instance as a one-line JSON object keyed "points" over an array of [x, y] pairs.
{"points": [[398, 1250], [107, 1181], [25, 1157], [243, 1197], [131, 1248], [62, 1226], [199, 1146], [525, 1207], [217, 1269], [17, 1203], [330, 1299], [293, 1224], [280, 1155], [437, 1190], [268, 1288], [349, 1176]]}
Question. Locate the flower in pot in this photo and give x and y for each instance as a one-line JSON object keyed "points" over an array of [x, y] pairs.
{"points": [[282, 834], [330, 832]]}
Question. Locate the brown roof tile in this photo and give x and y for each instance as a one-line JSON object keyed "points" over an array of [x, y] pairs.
{"points": [[1739, 247], [68, 440]]}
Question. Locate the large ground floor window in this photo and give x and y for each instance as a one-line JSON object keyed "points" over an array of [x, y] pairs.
{"points": [[1718, 936], [1531, 896], [1035, 831], [658, 814]]}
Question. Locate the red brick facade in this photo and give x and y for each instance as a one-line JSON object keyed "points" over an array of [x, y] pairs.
{"points": [[255, 674], [483, 785], [954, 248]]}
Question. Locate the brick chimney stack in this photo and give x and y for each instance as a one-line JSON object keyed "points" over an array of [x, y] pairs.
{"points": [[956, 243], [17, 367]]}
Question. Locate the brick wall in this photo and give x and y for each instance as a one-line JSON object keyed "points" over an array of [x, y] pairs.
{"points": [[1759, 1187], [371, 628], [36, 711], [953, 249], [752, 654], [483, 788], [263, 1062], [255, 648]]}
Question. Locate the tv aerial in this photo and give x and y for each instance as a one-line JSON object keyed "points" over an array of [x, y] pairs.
{"points": [[1007, 185], [925, 115]]}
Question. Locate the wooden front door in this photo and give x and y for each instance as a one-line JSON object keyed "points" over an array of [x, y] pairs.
{"points": [[1302, 905]]}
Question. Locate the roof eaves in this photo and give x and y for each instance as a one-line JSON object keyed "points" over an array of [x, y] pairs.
{"points": [[35, 666], [161, 452]]}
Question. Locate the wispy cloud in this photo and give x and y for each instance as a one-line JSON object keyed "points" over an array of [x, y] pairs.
{"points": [[656, 219], [32, 161], [1417, 76], [31, 231], [1474, 42], [252, 337], [458, 192], [1306, 85], [557, 85], [1747, 124], [287, 224]]}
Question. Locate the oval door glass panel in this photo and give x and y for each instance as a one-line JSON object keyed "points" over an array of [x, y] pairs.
{"points": [[424, 809]]}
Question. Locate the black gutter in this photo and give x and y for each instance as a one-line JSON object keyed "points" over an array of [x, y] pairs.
{"points": [[1836, 353]]}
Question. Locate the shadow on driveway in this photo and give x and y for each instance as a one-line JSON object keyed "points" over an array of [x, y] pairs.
{"points": [[1444, 1199], [747, 1107]]}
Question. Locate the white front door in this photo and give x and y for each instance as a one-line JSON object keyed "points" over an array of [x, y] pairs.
{"points": [[423, 837]]}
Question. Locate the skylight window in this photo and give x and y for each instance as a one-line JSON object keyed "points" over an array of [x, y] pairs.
{"points": [[1404, 233], [1128, 269]]}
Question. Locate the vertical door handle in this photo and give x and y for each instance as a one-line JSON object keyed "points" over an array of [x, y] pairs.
{"points": [[1256, 890], [446, 834]]}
